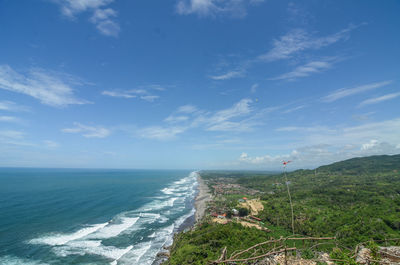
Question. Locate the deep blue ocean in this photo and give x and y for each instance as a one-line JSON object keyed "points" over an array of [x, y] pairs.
{"points": [[86, 216]]}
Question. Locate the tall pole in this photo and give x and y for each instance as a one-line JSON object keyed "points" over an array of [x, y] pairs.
{"points": [[290, 197]]}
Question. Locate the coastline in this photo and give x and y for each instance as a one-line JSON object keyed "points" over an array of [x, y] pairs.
{"points": [[203, 196]]}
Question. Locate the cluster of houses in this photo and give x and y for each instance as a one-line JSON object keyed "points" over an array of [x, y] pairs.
{"points": [[225, 186]]}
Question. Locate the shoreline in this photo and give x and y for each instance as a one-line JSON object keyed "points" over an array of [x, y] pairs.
{"points": [[203, 196]]}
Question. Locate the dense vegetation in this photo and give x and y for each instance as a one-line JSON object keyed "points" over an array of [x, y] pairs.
{"points": [[206, 242], [356, 200]]}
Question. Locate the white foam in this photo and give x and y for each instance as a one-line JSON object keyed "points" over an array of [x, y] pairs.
{"points": [[12, 260], [154, 215], [135, 255], [168, 191], [93, 247], [113, 230], [61, 239], [158, 205]]}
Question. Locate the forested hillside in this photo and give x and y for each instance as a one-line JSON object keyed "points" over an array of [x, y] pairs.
{"points": [[356, 201]]}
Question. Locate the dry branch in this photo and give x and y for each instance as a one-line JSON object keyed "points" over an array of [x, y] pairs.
{"points": [[254, 258]]}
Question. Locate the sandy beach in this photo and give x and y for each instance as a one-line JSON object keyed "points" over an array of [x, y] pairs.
{"points": [[202, 198]]}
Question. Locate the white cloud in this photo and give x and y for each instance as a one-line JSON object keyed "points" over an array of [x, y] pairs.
{"points": [[102, 16], [253, 88], [317, 155], [322, 145], [369, 145], [143, 93], [346, 92], [12, 106], [88, 131], [294, 109], [8, 119], [117, 94], [235, 8], [161, 133], [299, 40], [108, 28], [14, 138], [150, 98], [382, 131], [286, 47], [233, 119], [176, 119], [230, 119], [305, 129], [305, 70], [51, 144], [228, 75], [48, 87], [187, 109], [379, 99], [239, 109], [15, 135]]}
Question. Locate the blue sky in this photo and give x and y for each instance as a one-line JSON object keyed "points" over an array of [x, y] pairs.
{"points": [[204, 84]]}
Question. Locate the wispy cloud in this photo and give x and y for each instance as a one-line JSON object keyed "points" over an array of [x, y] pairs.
{"points": [[346, 92], [295, 42], [379, 99], [236, 118], [9, 119], [145, 93], [149, 98], [11, 134], [176, 119], [187, 109], [305, 70], [228, 75], [235, 8], [12, 106], [298, 40], [253, 88], [319, 129], [363, 117], [294, 109], [102, 16], [14, 138], [88, 131], [48, 87], [119, 94], [222, 120], [51, 144], [161, 133]]}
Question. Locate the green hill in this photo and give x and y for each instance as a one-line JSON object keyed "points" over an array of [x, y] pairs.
{"points": [[371, 164], [355, 200]]}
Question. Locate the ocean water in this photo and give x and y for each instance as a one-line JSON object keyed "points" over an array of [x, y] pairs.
{"points": [[75, 216]]}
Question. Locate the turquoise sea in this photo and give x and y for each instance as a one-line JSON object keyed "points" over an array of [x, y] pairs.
{"points": [[86, 216]]}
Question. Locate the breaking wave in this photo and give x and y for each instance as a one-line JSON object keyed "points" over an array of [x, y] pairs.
{"points": [[133, 237]]}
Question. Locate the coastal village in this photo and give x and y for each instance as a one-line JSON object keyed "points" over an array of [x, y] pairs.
{"points": [[228, 204]]}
